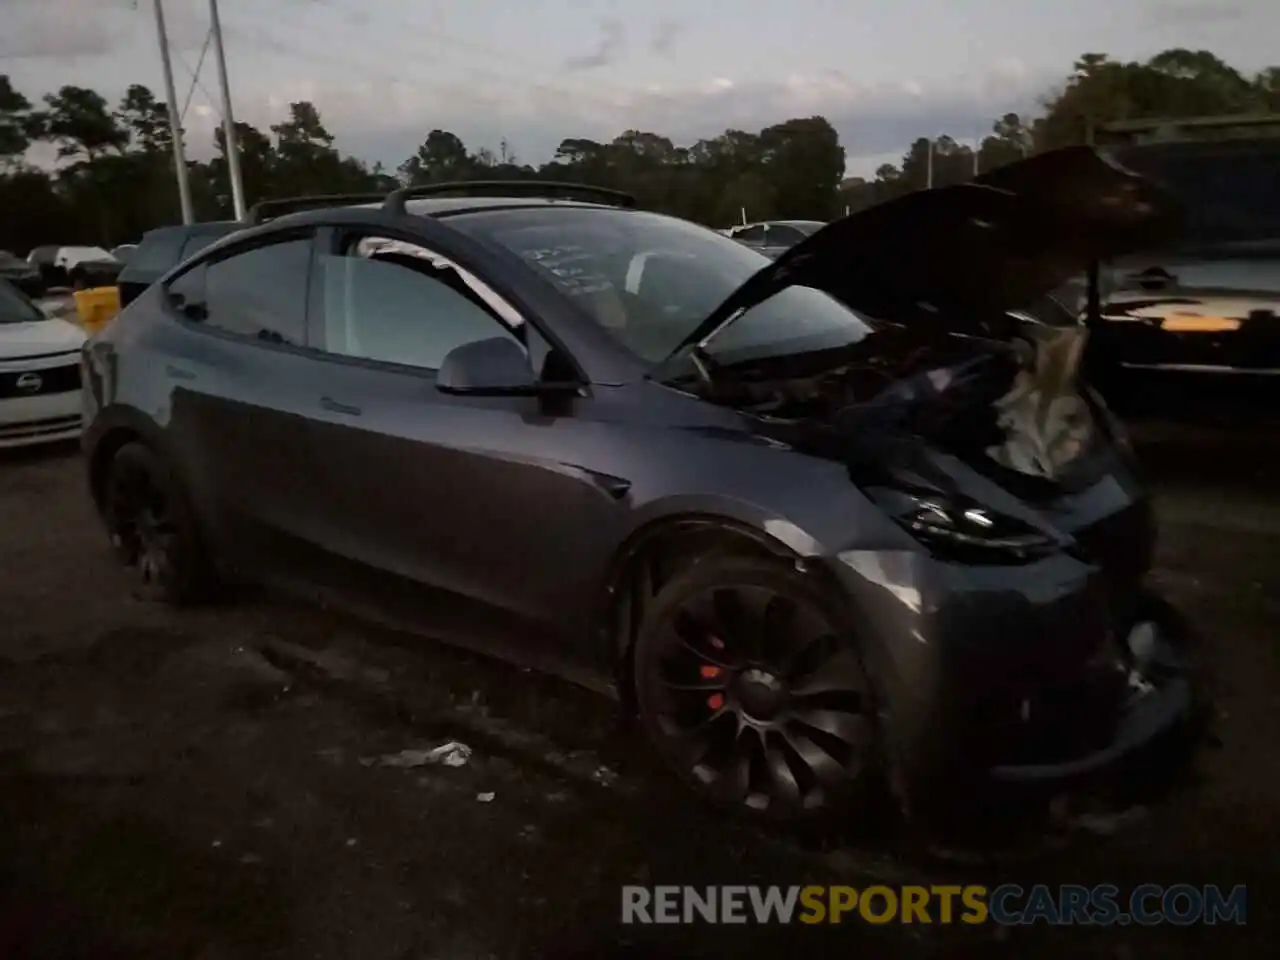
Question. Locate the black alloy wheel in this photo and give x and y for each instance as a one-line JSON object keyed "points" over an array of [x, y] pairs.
{"points": [[754, 694], [150, 527]]}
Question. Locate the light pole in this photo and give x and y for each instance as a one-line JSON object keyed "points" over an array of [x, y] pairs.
{"points": [[175, 123], [228, 120]]}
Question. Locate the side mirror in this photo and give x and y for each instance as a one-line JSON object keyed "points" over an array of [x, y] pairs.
{"points": [[496, 367]]}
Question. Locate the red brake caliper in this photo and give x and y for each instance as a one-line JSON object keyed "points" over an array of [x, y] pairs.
{"points": [[710, 671]]}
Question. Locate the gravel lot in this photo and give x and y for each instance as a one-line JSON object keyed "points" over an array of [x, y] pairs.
{"points": [[199, 784]]}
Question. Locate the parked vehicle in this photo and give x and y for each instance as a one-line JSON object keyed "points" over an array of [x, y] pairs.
{"points": [[77, 267], [774, 236], [163, 249], [1197, 320], [124, 251], [822, 522], [23, 275], [39, 373]]}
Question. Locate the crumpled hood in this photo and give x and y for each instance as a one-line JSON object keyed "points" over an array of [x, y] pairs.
{"points": [[1046, 422], [997, 243]]}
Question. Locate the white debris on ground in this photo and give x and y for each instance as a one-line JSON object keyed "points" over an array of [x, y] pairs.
{"points": [[485, 797], [451, 754]]}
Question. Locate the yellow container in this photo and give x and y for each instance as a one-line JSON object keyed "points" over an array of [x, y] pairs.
{"points": [[97, 306]]}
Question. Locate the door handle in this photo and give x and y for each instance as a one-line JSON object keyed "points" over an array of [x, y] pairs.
{"points": [[333, 406]]}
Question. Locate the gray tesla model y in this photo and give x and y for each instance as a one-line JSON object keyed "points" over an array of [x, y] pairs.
{"points": [[842, 519]]}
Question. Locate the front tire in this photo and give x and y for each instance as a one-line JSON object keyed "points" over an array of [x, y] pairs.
{"points": [[153, 529], [749, 686]]}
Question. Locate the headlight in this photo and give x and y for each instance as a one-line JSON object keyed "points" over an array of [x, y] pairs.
{"points": [[962, 530]]}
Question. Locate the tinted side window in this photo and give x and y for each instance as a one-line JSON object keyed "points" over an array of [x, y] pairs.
{"points": [[397, 309], [750, 235], [784, 236], [197, 242], [261, 293], [157, 253]]}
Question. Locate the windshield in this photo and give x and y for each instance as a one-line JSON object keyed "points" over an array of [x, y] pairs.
{"points": [[650, 280], [16, 308]]}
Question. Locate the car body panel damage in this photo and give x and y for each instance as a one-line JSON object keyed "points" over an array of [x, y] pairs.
{"points": [[873, 527]]}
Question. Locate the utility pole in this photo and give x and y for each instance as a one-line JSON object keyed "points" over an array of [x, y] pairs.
{"points": [[228, 120], [928, 170], [977, 157], [175, 123]]}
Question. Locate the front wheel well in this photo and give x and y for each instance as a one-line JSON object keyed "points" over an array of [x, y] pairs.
{"points": [[101, 456], [657, 556]]}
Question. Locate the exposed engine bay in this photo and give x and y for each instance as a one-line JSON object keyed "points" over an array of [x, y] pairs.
{"points": [[1011, 396]]}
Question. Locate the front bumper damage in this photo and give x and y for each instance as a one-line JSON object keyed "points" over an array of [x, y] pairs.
{"points": [[1035, 677], [1153, 707]]}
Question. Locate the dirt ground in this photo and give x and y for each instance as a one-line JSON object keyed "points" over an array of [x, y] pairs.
{"points": [[201, 784]]}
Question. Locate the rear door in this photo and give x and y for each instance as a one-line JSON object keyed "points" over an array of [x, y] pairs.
{"points": [[242, 384], [446, 508]]}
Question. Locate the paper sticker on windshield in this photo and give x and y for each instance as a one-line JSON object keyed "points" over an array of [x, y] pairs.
{"points": [[573, 267]]}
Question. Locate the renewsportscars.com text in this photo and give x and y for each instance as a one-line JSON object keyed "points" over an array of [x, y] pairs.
{"points": [[1009, 904]]}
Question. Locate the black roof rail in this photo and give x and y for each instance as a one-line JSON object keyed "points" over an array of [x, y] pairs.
{"points": [[264, 210], [396, 200]]}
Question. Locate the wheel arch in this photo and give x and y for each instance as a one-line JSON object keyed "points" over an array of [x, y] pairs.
{"points": [[663, 547], [112, 429]]}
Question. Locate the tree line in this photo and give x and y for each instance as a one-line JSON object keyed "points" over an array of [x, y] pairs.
{"points": [[114, 178]]}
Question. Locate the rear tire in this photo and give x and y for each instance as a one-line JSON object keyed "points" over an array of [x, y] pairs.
{"points": [[749, 686], [153, 529]]}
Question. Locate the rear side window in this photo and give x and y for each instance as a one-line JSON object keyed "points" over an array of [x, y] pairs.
{"points": [[157, 252], [260, 293], [783, 235], [750, 235], [197, 242]]}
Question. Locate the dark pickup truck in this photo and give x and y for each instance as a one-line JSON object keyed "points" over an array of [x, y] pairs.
{"points": [[163, 249], [1201, 318]]}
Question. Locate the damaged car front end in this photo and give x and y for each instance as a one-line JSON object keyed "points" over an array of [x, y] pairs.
{"points": [[1011, 637]]}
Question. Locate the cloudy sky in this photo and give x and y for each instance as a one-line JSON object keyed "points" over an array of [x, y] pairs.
{"points": [[384, 72]]}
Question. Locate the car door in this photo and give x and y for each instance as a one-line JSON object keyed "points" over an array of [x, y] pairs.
{"points": [[241, 385], [466, 496]]}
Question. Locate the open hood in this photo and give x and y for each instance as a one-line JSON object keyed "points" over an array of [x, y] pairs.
{"points": [[997, 243]]}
